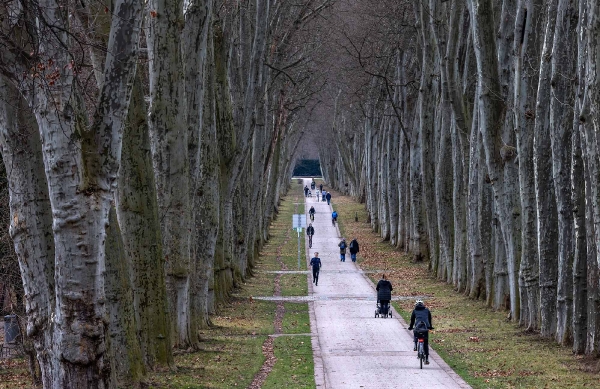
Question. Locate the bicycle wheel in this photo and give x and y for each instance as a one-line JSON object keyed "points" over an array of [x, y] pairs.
{"points": [[421, 354]]}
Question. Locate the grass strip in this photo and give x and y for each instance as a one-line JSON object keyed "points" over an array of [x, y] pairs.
{"points": [[294, 367], [483, 347]]}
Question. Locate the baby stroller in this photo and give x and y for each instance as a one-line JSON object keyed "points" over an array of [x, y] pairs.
{"points": [[383, 310], [309, 194]]}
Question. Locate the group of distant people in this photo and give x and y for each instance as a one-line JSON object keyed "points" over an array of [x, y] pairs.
{"points": [[321, 195]]}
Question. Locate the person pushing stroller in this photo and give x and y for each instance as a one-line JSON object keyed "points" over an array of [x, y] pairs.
{"points": [[384, 294]]}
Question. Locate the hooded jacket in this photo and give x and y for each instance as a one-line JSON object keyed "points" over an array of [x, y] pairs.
{"points": [[384, 290]]}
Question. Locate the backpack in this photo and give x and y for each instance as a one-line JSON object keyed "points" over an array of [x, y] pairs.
{"points": [[421, 326], [343, 245]]}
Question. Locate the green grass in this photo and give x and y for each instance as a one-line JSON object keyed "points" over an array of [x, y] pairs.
{"points": [[294, 284], [483, 347], [296, 319], [294, 367]]}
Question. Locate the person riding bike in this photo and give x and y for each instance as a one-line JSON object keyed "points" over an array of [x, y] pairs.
{"points": [[420, 321], [384, 294], [342, 246], [310, 231], [315, 263], [334, 217], [311, 213]]}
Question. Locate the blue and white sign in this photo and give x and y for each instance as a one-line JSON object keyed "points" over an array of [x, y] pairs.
{"points": [[298, 221]]}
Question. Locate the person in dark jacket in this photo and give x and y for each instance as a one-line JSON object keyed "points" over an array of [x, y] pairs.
{"points": [[315, 263], [384, 293], [321, 187], [342, 246], [310, 231], [354, 249], [328, 197], [420, 320], [305, 190]]}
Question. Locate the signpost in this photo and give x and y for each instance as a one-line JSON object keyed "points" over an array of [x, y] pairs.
{"points": [[298, 223]]}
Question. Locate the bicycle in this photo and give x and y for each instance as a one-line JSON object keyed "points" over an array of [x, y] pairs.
{"points": [[421, 348], [333, 220], [310, 241], [312, 217]]}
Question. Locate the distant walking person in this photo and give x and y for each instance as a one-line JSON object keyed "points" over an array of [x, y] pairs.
{"points": [[342, 246], [328, 197], [354, 249], [310, 231], [305, 190], [321, 187], [323, 193], [315, 263]]}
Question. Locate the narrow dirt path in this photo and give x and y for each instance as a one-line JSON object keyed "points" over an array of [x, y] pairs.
{"points": [[267, 347], [353, 349]]}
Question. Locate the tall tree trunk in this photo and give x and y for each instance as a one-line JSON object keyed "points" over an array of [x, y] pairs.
{"points": [[169, 138], [561, 123], [137, 210], [499, 155], [525, 86], [30, 221], [125, 351], [545, 197]]}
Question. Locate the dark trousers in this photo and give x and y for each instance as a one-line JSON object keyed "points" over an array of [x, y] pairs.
{"points": [[315, 274], [425, 335], [383, 305]]}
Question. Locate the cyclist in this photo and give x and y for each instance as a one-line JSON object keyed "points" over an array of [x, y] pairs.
{"points": [[420, 320], [315, 263], [310, 231], [342, 246], [312, 185], [333, 217], [384, 293], [311, 213]]}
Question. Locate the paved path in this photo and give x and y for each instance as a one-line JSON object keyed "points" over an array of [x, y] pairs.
{"points": [[352, 348]]}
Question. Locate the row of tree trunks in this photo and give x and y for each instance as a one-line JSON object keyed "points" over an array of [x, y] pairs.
{"points": [[502, 199]]}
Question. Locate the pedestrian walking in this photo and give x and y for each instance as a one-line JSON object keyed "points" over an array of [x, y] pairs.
{"points": [[328, 197], [305, 190], [310, 231], [321, 187], [315, 263], [342, 246], [323, 194], [354, 249]]}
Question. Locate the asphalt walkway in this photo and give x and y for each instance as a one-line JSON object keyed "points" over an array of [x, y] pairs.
{"points": [[352, 348]]}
